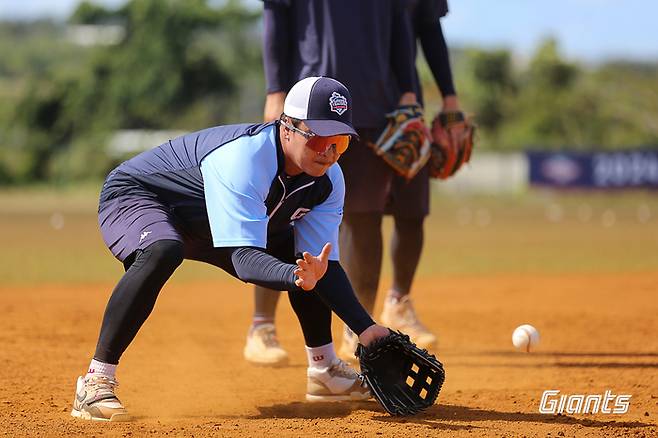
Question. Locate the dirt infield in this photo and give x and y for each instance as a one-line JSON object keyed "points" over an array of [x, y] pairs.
{"points": [[184, 375], [583, 269]]}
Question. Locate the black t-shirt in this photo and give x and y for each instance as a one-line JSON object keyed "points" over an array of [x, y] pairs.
{"points": [[365, 44]]}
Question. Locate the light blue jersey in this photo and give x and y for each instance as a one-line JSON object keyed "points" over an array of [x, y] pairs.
{"points": [[225, 186], [246, 195]]}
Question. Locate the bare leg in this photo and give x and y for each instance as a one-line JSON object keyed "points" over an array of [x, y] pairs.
{"points": [[265, 301], [406, 247], [398, 312], [361, 254]]}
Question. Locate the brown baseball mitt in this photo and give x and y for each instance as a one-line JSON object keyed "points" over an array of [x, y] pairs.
{"points": [[452, 145], [405, 142]]}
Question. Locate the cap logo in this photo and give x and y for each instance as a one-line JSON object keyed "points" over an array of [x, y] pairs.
{"points": [[337, 103]]}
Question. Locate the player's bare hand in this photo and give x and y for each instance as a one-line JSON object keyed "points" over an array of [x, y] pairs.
{"points": [[456, 131], [310, 269], [451, 104], [273, 106], [408, 98], [372, 333]]}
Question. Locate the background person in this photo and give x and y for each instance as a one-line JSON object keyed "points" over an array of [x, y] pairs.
{"points": [[368, 46]]}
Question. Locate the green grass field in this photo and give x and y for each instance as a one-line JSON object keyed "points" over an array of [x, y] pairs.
{"points": [[51, 236]]}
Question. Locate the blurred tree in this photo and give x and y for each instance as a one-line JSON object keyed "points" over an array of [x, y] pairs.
{"points": [[493, 88], [554, 103], [543, 113], [158, 77], [185, 65], [560, 105], [547, 69], [628, 103], [156, 73], [91, 13]]}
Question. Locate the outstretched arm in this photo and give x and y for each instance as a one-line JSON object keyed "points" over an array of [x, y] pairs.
{"points": [[312, 273], [311, 268], [336, 292], [254, 265]]}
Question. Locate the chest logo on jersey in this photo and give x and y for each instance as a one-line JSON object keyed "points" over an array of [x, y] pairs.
{"points": [[299, 213], [337, 103]]}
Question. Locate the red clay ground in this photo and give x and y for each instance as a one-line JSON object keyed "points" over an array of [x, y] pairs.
{"points": [[581, 267], [184, 374]]}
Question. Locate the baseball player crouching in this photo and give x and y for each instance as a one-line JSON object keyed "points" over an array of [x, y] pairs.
{"points": [[262, 202]]}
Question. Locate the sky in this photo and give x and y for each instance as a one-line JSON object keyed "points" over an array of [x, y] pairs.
{"points": [[587, 30]]}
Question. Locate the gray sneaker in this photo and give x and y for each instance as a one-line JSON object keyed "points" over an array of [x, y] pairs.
{"points": [[95, 400]]}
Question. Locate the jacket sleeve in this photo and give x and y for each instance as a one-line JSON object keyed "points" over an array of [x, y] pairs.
{"points": [[434, 44], [402, 47], [276, 45]]}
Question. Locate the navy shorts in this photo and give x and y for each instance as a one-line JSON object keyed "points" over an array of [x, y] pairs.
{"points": [[133, 221], [131, 218], [372, 186]]}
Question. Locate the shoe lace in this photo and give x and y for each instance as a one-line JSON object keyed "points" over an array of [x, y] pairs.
{"points": [[268, 336], [101, 385], [343, 369], [408, 315]]}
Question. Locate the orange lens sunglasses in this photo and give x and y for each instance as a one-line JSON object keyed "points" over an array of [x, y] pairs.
{"points": [[321, 144]]}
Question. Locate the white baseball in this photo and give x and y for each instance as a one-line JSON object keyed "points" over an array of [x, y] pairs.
{"points": [[525, 337]]}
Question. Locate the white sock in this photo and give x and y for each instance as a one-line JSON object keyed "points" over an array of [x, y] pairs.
{"points": [[394, 296], [98, 368], [260, 320], [320, 357]]}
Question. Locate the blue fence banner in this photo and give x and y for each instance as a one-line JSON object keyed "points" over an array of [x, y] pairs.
{"points": [[603, 170]]}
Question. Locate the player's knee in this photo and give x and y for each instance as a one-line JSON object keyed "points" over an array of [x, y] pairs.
{"points": [[166, 254], [362, 228], [409, 225], [362, 220]]}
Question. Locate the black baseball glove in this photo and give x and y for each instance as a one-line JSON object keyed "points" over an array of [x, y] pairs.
{"points": [[402, 377]]}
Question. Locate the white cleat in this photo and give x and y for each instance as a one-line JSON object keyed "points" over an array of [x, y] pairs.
{"points": [[400, 315], [337, 382], [95, 400], [263, 347]]}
